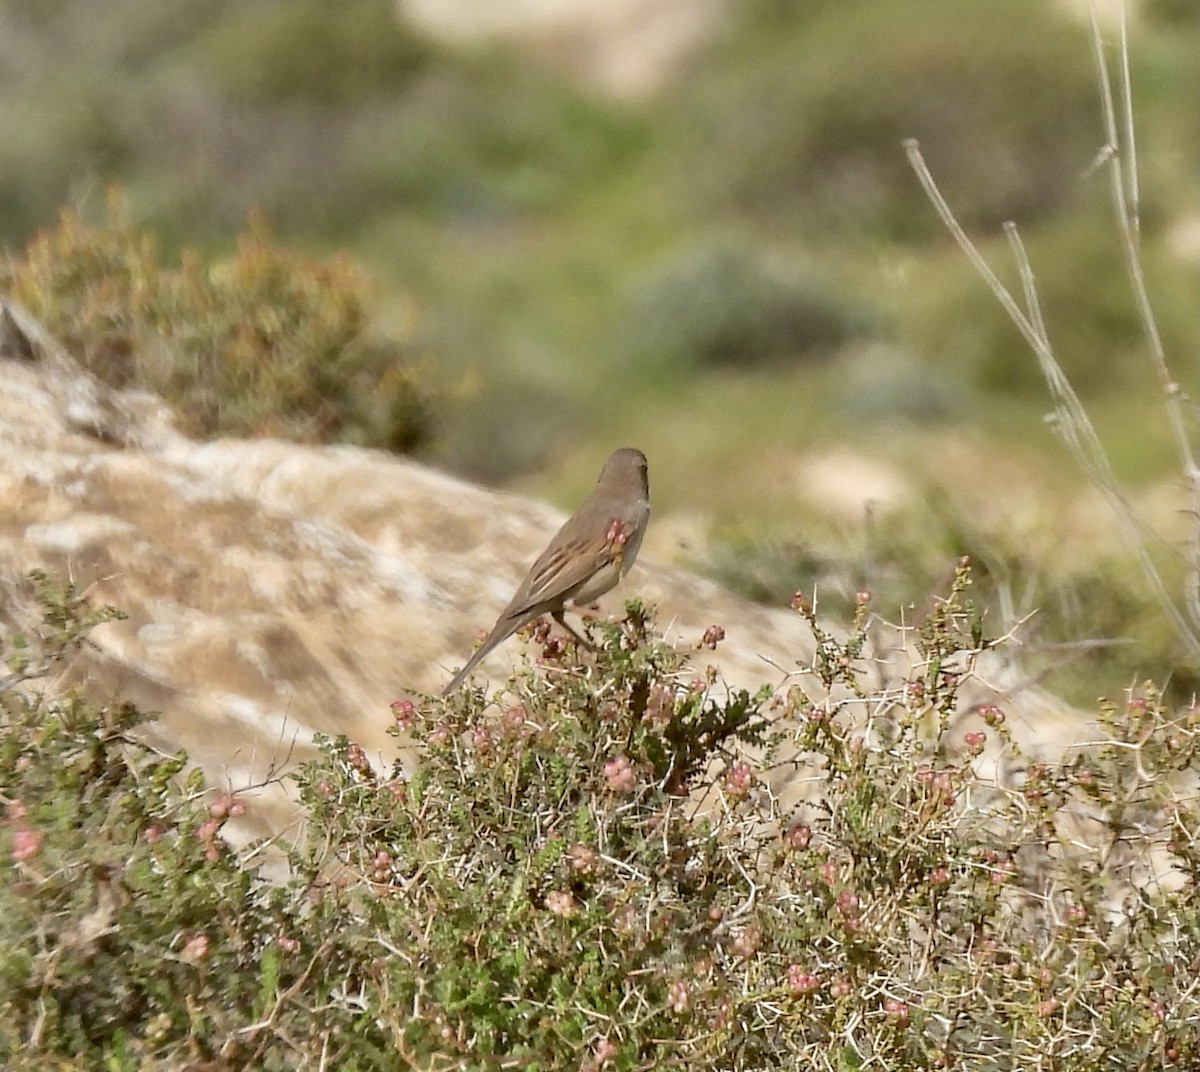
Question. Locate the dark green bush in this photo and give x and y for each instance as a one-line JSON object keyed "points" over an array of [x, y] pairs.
{"points": [[720, 304], [619, 864], [266, 343], [131, 936], [311, 54], [1001, 96]]}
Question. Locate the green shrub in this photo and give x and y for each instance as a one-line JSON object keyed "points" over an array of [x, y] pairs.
{"points": [[619, 864], [718, 304], [812, 131], [884, 382], [309, 53], [129, 932], [266, 343]]}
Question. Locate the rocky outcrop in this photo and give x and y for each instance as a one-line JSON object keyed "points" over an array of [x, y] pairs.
{"points": [[275, 590]]}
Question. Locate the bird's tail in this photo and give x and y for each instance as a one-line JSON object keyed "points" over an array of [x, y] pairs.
{"points": [[502, 630]]}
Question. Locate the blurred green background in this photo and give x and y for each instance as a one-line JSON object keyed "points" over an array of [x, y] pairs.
{"points": [[734, 270]]}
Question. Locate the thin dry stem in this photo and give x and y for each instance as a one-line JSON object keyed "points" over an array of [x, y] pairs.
{"points": [[1122, 168], [1070, 417]]}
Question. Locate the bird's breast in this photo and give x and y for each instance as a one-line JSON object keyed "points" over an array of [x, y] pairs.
{"points": [[603, 580]]}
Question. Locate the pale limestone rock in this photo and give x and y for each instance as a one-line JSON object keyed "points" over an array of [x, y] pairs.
{"points": [[276, 590]]}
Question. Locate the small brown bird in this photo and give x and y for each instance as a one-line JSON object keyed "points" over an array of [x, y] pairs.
{"points": [[591, 552]]}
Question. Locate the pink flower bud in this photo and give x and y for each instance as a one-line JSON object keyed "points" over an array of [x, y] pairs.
{"points": [[679, 997], [800, 981], [26, 844], [195, 948], [796, 837], [583, 858], [618, 772]]}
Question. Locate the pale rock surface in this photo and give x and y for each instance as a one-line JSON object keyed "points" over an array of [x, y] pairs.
{"points": [[626, 48], [276, 590]]}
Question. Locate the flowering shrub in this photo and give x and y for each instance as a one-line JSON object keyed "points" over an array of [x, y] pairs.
{"points": [[267, 342], [610, 865]]}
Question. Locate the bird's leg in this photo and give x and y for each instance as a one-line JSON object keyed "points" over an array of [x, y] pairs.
{"points": [[557, 615]]}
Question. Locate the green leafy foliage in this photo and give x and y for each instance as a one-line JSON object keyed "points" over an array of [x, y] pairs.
{"points": [[616, 863]]}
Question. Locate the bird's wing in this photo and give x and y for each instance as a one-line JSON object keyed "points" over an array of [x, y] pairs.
{"points": [[563, 567]]}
